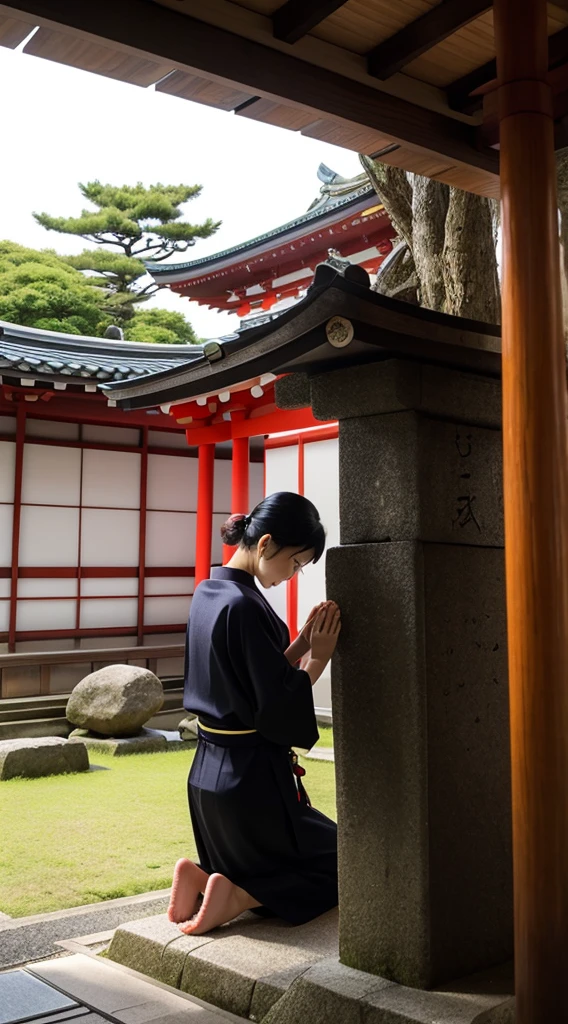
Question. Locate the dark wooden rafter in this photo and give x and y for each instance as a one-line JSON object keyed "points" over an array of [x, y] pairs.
{"points": [[422, 34], [298, 17], [459, 92], [145, 27]]}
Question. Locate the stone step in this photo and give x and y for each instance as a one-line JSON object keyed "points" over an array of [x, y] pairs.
{"points": [[35, 727], [45, 716], [243, 967], [266, 970]]}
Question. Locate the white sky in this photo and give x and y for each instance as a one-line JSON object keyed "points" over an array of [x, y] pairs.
{"points": [[61, 126]]}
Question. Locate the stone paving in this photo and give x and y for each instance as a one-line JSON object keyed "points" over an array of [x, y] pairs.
{"points": [[23, 939], [86, 990]]}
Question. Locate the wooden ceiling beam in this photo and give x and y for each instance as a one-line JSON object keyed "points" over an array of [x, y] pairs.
{"points": [[422, 34], [298, 17], [147, 28], [459, 92]]}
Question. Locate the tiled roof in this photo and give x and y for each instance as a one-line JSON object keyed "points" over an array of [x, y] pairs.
{"points": [[313, 214], [47, 356], [300, 339]]}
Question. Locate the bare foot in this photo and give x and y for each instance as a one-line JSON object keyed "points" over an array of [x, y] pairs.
{"points": [[188, 883], [222, 902]]}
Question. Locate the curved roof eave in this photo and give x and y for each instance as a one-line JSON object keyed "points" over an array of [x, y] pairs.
{"points": [[319, 213], [296, 341]]}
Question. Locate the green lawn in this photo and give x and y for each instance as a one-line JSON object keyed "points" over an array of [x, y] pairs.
{"points": [[326, 736], [74, 839]]}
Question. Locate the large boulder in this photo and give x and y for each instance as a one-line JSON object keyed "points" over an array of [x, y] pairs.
{"points": [[116, 700], [31, 758]]}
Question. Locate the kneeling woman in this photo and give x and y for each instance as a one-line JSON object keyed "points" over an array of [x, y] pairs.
{"points": [[261, 845]]}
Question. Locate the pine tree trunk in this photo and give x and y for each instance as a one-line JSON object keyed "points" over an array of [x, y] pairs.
{"points": [[429, 208], [469, 262]]}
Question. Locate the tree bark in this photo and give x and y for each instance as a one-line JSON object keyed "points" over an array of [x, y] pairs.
{"points": [[469, 262], [395, 192], [430, 201]]}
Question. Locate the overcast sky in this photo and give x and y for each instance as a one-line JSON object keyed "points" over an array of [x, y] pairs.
{"points": [[61, 126]]}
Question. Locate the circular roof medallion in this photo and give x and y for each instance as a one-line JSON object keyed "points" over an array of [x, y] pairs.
{"points": [[339, 331]]}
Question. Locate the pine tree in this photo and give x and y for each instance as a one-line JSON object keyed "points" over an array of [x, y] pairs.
{"points": [[131, 223]]}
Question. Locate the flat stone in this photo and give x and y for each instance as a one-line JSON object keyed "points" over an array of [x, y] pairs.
{"points": [[156, 947], [148, 741], [395, 385], [22, 997], [33, 758], [243, 967], [123, 995], [405, 476], [321, 754], [251, 963], [330, 991], [431, 742], [116, 700]]}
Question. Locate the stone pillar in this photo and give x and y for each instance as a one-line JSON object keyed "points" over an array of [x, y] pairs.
{"points": [[420, 677]]}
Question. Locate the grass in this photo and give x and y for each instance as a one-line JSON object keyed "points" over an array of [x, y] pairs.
{"points": [[326, 736], [68, 840]]}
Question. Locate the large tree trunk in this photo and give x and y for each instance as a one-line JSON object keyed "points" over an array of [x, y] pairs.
{"points": [[469, 262], [430, 200], [450, 264], [395, 192]]}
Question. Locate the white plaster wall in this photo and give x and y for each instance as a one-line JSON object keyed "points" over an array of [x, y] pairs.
{"points": [[321, 485], [7, 465], [172, 483], [281, 474], [51, 475], [84, 504], [111, 479]]}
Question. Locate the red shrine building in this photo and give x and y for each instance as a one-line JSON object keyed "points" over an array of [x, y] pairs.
{"points": [[272, 271], [109, 517]]}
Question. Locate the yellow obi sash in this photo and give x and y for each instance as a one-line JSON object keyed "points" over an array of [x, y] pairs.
{"points": [[226, 732]]}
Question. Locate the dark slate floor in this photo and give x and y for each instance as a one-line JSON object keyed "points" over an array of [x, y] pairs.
{"points": [[25, 998]]}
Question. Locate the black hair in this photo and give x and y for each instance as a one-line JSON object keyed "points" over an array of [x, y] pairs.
{"points": [[291, 520]]}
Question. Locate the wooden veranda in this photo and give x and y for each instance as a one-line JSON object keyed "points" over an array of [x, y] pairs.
{"points": [[403, 81]]}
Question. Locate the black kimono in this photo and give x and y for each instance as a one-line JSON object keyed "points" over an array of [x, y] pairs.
{"points": [[251, 819]]}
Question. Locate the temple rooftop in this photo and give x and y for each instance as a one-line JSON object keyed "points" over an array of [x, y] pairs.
{"points": [[340, 322], [29, 355]]}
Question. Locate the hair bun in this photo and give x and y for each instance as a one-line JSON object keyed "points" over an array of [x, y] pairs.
{"points": [[234, 529]]}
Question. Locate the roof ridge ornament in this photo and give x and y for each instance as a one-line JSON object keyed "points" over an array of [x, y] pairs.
{"points": [[213, 351]]}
